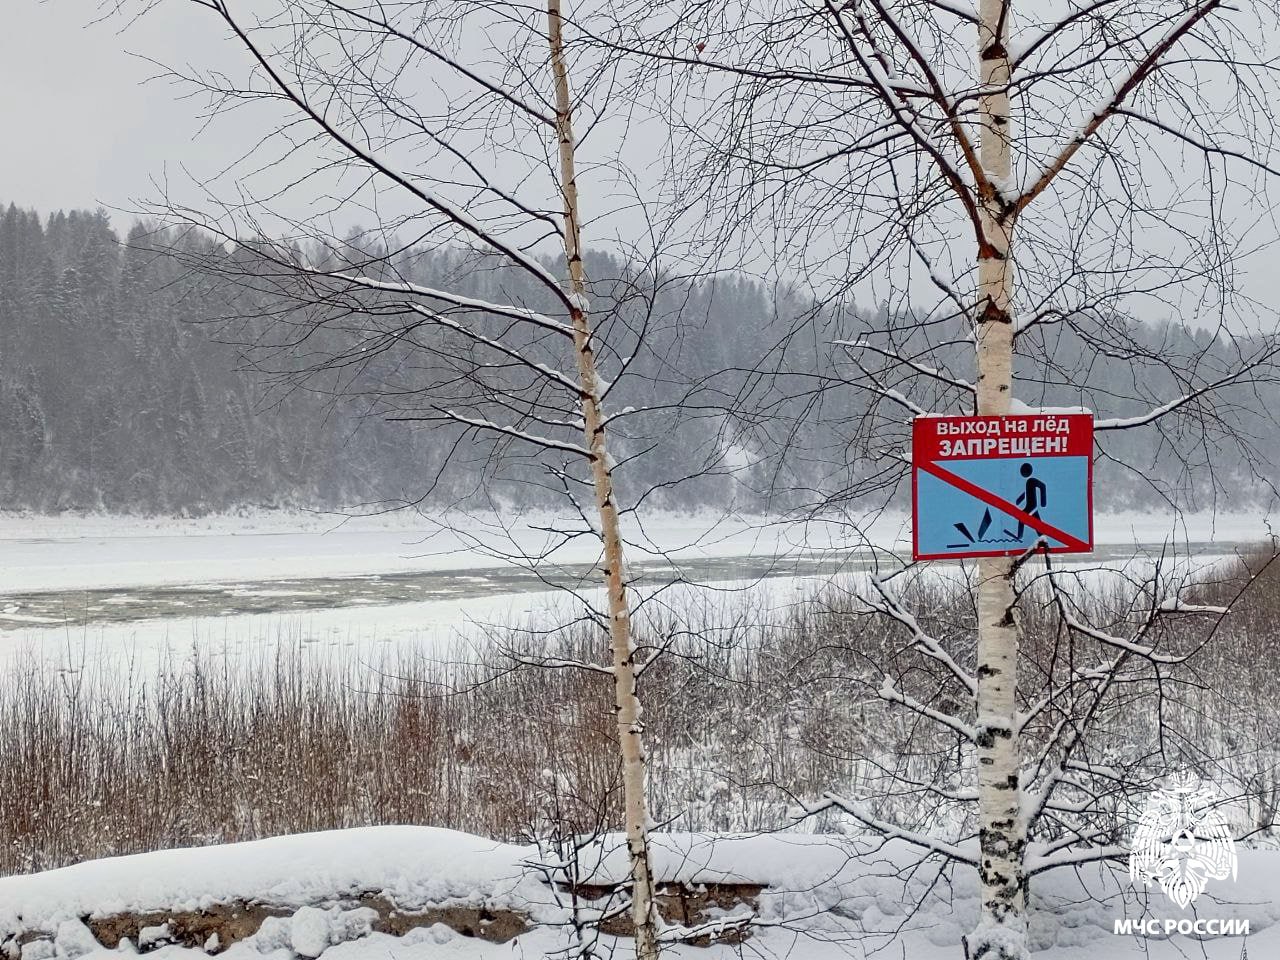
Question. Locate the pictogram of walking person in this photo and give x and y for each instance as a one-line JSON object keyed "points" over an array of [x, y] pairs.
{"points": [[1031, 499]]}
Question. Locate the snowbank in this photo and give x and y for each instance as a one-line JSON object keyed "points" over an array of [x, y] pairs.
{"points": [[413, 866], [826, 897]]}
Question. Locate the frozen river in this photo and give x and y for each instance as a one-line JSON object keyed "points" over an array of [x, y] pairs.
{"points": [[81, 606], [75, 593]]}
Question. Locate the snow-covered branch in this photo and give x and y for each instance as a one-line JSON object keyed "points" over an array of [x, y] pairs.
{"points": [[1139, 72], [889, 830], [1035, 864], [890, 693], [559, 663], [902, 112], [456, 299], [920, 368], [963, 11], [890, 605], [1144, 651], [1164, 409], [497, 345], [513, 432]]}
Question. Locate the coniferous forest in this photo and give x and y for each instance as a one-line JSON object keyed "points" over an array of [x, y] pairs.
{"points": [[120, 392]]}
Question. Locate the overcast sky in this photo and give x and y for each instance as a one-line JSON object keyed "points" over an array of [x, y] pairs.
{"points": [[82, 125], [92, 120], [86, 124]]}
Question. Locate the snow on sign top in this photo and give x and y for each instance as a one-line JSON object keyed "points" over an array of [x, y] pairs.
{"points": [[998, 486]]}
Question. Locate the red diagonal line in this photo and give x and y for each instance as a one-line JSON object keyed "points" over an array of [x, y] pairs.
{"points": [[989, 498]]}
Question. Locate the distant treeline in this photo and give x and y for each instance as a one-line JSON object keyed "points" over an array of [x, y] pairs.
{"points": [[120, 390]]}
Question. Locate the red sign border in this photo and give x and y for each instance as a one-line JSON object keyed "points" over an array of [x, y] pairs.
{"points": [[981, 554]]}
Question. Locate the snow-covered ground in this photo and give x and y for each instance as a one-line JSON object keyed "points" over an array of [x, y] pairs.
{"points": [[825, 897]]}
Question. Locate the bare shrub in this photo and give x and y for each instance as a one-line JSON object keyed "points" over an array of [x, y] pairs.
{"points": [[753, 710]]}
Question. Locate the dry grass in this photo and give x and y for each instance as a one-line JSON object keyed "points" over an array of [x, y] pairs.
{"points": [[744, 716]]}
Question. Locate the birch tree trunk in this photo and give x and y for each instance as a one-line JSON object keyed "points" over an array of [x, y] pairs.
{"points": [[626, 701], [1001, 932]]}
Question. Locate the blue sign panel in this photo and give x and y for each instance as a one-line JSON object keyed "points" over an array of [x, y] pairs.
{"points": [[1000, 486]]}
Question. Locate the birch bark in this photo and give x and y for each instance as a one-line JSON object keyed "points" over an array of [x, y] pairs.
{"points": [[626, 700], [1001, 932]]}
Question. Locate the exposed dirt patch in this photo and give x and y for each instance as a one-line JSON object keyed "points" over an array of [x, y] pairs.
{"points": [[234, 922], [496, 926], [230, 923], [688, 906]]}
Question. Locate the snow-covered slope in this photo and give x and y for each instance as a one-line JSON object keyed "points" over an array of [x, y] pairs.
{"points": [[414, 866], [826, 897]]}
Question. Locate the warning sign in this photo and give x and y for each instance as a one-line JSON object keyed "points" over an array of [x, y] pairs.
{"points": [[998, 486]]}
